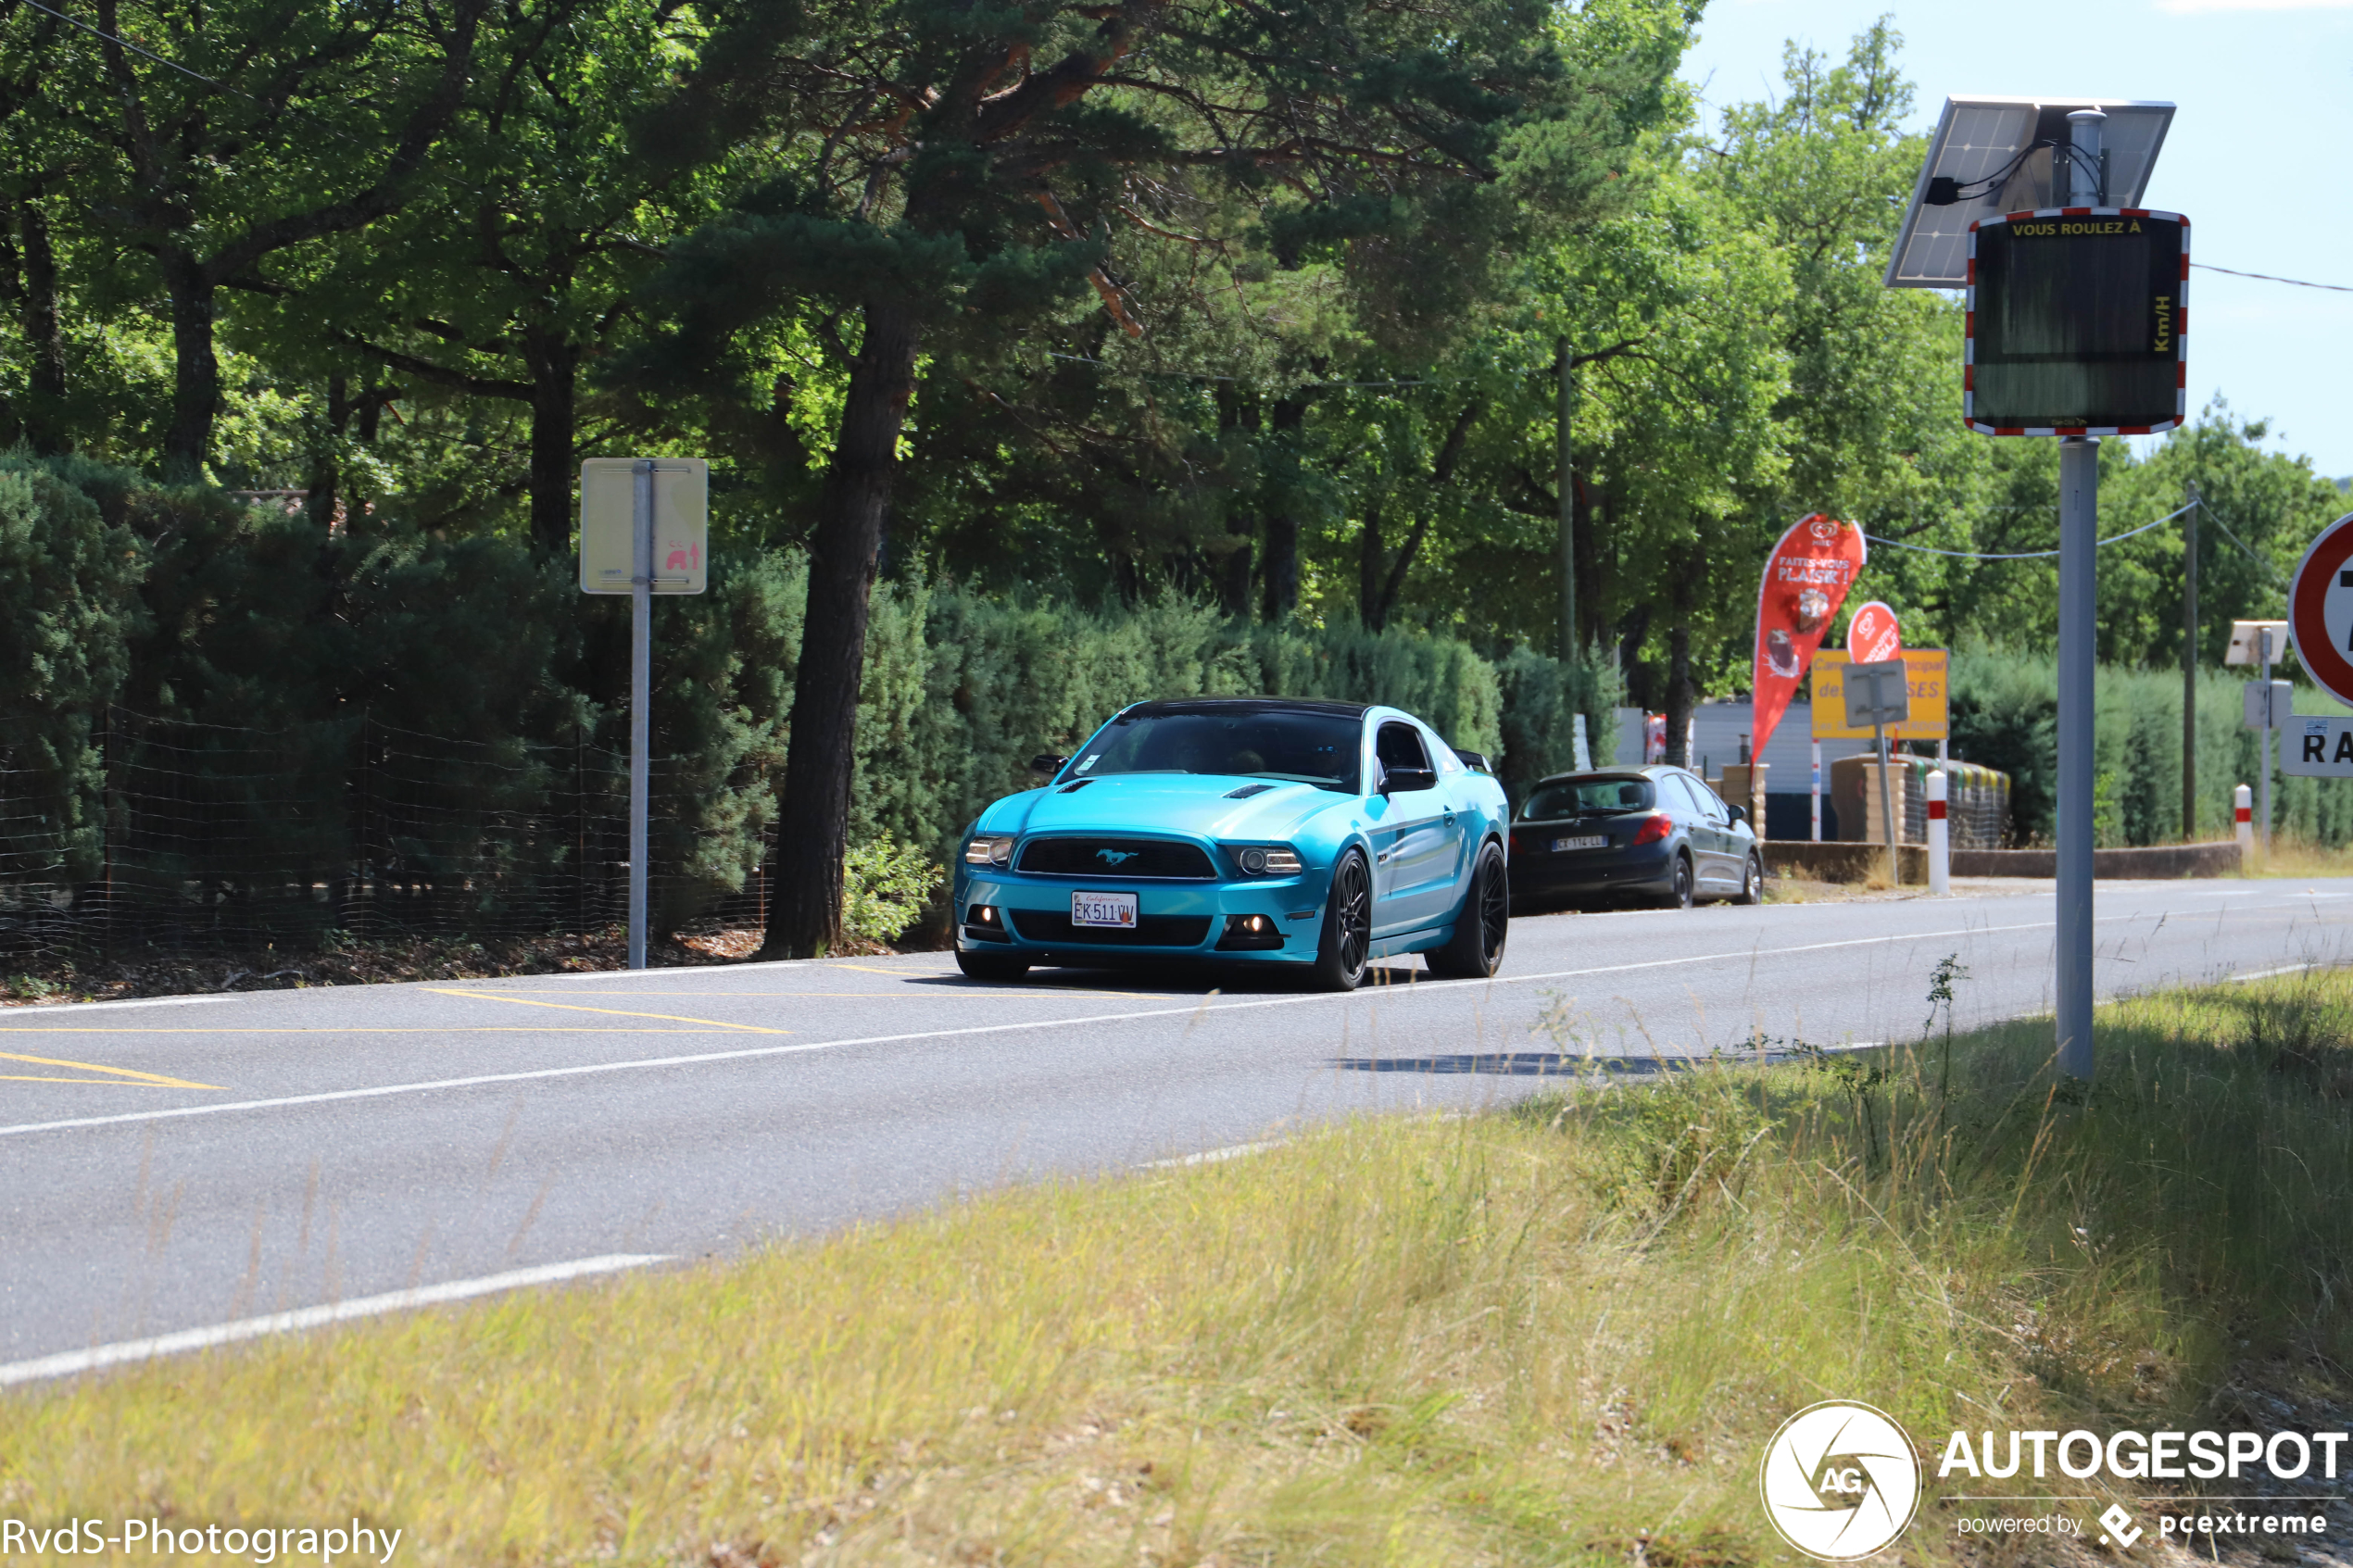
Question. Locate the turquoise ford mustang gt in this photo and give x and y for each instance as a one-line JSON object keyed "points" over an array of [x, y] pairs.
{"points": [[1265, 830]]}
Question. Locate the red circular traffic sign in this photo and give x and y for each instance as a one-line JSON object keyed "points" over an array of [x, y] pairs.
{"points": [[2319, 609], [1872, 636]]}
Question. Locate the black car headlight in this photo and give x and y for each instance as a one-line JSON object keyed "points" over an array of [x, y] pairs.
{"points": [[1261, 861], [996, 850]]}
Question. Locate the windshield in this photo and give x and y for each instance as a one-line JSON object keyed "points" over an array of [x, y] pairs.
{"points": [[1574, 797], [1317, 748]]}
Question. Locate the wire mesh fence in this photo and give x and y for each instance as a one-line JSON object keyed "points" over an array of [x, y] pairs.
{"points": [[196, 838]]}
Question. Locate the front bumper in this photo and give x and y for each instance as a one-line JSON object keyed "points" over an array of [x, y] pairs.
{"points": [[1007, 911]]}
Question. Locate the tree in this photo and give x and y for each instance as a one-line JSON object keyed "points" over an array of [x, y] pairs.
{"points": [[263, 130], [958, 173]]}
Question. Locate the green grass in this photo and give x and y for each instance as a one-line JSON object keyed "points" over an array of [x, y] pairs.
{"points": [[1554, 1334]]}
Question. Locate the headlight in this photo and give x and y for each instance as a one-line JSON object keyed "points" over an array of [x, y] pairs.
{"points": [[989, 851], [1256, 861]]}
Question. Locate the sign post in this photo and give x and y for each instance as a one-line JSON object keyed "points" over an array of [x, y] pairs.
{"points": [[643, 531], [1878, 695]]}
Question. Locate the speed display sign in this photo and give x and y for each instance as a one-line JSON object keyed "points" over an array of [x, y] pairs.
{"points": [[2319, 622]]}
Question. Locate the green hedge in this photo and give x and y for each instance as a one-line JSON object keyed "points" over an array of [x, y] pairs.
{"points": [[2006, 714]]}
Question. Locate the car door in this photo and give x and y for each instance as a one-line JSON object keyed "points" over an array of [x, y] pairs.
{"points": [[1409, 845], [1711, 836]]}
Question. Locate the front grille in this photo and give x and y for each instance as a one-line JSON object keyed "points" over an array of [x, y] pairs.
{"points": [[1151, 931], [1125, 859]]}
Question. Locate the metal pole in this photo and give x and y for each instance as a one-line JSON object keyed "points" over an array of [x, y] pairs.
{"points": [[1569, 504], [2079, 543], [641, 662], [2263, 738], [2189, 668], [1887, 802], [2079, 525]]}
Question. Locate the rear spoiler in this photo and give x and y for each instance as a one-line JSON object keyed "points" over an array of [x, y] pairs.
{"points": [[1476, 759]]}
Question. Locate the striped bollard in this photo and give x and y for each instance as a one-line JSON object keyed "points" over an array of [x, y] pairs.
{"points": [[1940, 846], [2243, 807]]}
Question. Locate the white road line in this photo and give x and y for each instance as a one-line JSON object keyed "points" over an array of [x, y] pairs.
{"points": [[1389, 993], [92, 1360], [2268, 974], [44, 1009], [1213, 1155]]}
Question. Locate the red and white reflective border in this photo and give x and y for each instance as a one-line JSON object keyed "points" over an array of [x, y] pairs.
{"points": [[2181, 331]]}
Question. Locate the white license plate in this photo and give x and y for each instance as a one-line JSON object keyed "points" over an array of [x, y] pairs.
{"points": [[1589, 841], [1114, 909]]}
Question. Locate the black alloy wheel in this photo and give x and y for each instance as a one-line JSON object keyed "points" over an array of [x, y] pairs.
{"points": [[1680, 895], [991, 966], [1475, 950], [1347, 946], [1753, 881]]}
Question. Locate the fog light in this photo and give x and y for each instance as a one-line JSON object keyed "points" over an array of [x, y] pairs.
{"points": [[984, 922], [1249, 933]]}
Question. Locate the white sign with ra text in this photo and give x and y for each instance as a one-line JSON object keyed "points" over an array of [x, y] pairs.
{"points": [[2317, 749]]}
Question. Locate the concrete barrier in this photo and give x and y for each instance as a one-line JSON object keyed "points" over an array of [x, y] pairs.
{"points": [[2156, 862]]}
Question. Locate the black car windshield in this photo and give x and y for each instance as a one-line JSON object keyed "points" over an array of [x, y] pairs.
{"points": [[1300, 747], [1575, 797]]}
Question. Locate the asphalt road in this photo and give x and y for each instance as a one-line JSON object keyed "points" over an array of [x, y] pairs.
{"points": [[171, 1166]]}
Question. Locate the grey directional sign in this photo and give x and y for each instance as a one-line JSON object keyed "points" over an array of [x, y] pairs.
{"points": [[1878, 694]]}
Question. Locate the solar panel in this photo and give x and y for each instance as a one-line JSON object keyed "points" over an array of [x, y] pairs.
{"points": [[1977, 145]]}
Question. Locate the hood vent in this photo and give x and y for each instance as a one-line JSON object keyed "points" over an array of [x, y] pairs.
{"points": [[1247, 791], [1074, 788]]}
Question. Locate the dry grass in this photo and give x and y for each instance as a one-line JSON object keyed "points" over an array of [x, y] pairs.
{"points": [[1555, 1334], [2295, 858]]}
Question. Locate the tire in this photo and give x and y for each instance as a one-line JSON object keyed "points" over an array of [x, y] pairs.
{"points": [[991, 966], [1475, 950], [1680, 895], [1752, 882], [1345, 951]]}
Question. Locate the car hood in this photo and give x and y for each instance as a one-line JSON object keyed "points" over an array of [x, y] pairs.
{"points": [[1164, 803]]}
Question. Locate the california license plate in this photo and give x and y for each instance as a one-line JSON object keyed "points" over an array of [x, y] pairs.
{"points": [[1589, 841], [1116, 911]]}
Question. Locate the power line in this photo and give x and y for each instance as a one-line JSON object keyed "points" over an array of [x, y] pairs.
{"points": [[2332, 288], [2027, 555]]}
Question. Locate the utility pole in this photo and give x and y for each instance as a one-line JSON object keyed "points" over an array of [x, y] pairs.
{"points": [[2189, 667], [1567, 366], [2079, 538]]}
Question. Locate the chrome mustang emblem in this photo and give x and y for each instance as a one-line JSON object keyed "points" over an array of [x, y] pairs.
{"points": [[1115, 857]]}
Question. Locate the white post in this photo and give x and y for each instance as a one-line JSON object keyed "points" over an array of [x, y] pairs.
{"points": [[2242, 808], [1940, 849], [1818, 792], [641, 661]]}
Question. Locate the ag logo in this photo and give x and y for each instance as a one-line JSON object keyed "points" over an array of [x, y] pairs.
{"points": [[1840, 1480], [1115, 857], [1823, 529]]}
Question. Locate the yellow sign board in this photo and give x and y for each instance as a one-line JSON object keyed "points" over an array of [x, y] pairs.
{"points": [[608, 524], [1927, 668]]}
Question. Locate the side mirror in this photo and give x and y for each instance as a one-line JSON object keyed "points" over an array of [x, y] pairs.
{"points": [[1740, 813], [1047, 764], [1396, 781]]}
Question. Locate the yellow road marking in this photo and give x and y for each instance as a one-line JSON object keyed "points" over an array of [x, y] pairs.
{"points": [[156, 1079], [870, 969], [616, 1012], [38, 1078]]}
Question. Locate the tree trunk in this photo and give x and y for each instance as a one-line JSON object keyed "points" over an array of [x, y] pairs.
{"points": [[45, 385], [813, 828], [1372, 605], [326, 473], [195, 390], [1583, 551], [1282, 520], [555, 372], [1678, 672]]}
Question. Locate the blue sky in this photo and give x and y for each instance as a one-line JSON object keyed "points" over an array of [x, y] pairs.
{"points": [[2257, 157]]}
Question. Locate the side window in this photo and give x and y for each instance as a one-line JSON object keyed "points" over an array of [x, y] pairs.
{"points": [[1399, 747], [1685, 803], [1710, 803]]}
